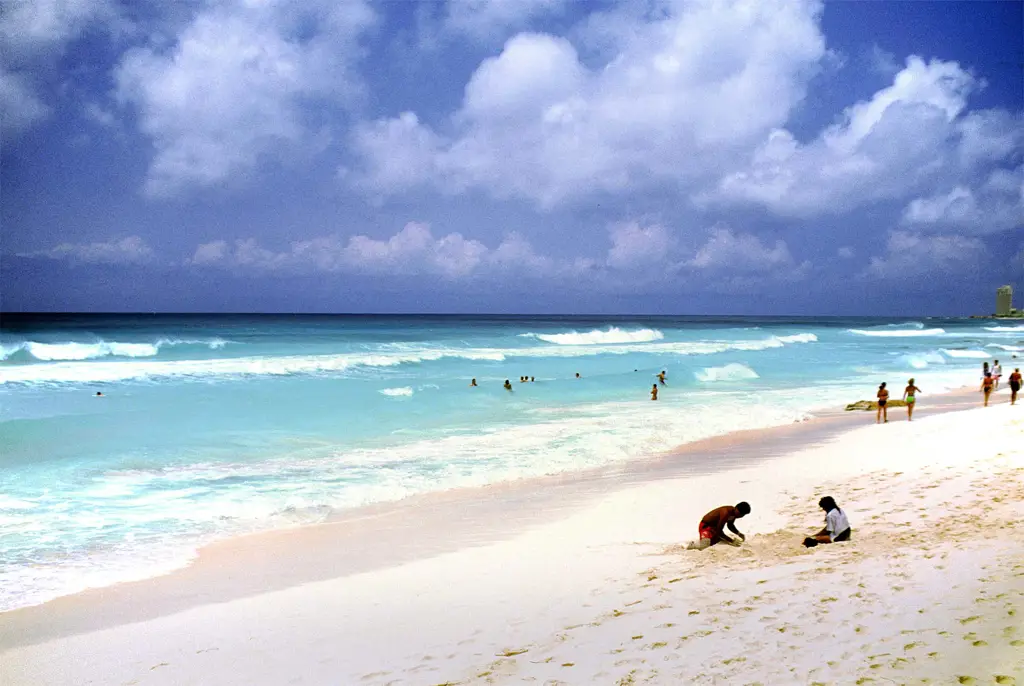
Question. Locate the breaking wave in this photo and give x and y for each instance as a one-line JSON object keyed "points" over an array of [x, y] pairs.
{"points": [[111, 371], [898, 332], [598, 337], [71, 350], [1007, 348], [923, 360], [967, 354], [729, 372], [403, 392], [1019, 327]]}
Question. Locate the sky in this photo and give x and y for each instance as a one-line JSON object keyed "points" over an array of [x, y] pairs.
{"points": [[512, 156]]}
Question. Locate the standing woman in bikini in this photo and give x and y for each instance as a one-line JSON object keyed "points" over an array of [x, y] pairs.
{"points": [[986, 387], [883, 399], [908, 395]]}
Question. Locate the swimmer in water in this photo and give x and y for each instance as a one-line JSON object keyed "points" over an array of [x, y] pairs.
{"points": [[577, 375], [654, 391], [661, 377], [473, 382], [532, 379], [508, 386], [98, 394]]}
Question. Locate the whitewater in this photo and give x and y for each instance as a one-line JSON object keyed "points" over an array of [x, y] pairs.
{"points": [[210, 427]]}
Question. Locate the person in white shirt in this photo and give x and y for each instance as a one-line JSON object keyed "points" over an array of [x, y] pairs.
{"points": [[837, 526], [997, 371]]}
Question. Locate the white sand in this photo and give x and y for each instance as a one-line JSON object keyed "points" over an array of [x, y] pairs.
{"points": [[930, 589]]}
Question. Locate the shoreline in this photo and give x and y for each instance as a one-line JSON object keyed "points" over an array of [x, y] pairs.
{"points": [[929, 588], [441, 522]]}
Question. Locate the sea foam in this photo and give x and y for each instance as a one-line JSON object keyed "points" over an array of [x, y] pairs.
{"points": [[404, 391], [111, 371], [596, 337], [729, 372], [897, 333], [77, 350], [967, 354]]}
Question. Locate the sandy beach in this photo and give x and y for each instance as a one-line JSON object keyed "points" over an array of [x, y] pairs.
{"points": [[585, 580]]}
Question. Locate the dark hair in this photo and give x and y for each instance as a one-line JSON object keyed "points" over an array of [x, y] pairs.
{"points": [[882, 386], [828, 504], [743, 507]]}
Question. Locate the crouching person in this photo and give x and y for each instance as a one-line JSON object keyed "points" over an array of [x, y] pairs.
{"points": [[712, 527]]}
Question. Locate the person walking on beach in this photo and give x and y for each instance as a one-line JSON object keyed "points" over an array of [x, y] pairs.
{"points": [[997, 373], [883, 400], [837, 526], [1014, 385], [908, 395], [654, 391], [986, 387], [712, 527]]}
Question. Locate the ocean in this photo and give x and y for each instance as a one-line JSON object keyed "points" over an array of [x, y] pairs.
{"points": [[213, 426]]}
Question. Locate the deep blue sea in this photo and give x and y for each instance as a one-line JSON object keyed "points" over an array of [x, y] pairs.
{"points": [[210, 426]]}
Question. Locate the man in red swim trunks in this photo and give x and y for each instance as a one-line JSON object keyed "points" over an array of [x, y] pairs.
{"points": [[712, 526]]}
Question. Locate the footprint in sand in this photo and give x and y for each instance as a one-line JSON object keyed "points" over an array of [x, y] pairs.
{"points": [[1004, 679]]}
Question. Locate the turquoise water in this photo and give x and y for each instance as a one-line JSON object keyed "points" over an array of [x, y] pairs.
{"points": [[211, 426]]}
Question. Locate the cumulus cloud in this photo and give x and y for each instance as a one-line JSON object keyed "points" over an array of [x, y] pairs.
{"points": [[634, 245], [910, 254], [231, 88], [908, 136], [638, 255], [20, 107], [680, 92], [997, 205], [412, 251], [730, 251], [33, 34], [129, 250], [846, 252]]}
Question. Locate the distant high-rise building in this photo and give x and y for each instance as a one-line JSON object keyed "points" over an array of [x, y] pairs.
{"points": [[1004, 301]]}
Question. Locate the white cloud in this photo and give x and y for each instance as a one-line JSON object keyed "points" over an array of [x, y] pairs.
{"points": [[20, 107], [727, 250], [129, 250], [682, 92], [231, 88], [30, 29], [34, 33], [413, 250], [639, 255], [846, 252], [997, 205], [635, 246], [909, 254], [908, 136]]}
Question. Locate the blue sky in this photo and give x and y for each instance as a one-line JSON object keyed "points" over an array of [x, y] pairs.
{"points": [[512, 156]]}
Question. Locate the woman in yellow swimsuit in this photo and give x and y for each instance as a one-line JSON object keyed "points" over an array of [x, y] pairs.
{"points": [[908, 395]]}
